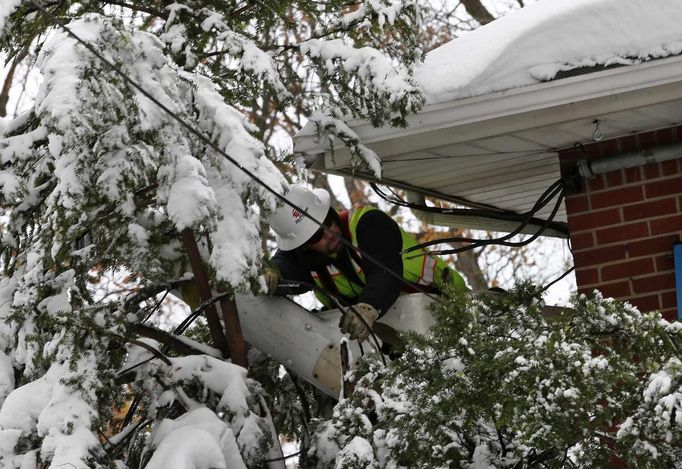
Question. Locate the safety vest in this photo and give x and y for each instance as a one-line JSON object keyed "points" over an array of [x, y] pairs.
{"points": [[419, 268]]}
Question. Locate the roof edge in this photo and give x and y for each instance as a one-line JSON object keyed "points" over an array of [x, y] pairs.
{"points": [[514, 102]]}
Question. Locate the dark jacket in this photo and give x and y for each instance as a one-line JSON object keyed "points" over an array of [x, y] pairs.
{"points": [[379, 237]]}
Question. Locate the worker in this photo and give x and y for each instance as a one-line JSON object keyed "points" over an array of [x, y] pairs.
{"points": [[308, 254]]}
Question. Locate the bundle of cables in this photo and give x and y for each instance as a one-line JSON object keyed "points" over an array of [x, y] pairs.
{"points": [[556, 189]]}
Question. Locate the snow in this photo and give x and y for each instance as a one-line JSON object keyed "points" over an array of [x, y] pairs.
{"points": [[58, 413], [6, 376], [366, 62], [197, 439], [357, 453], [330, 125], [532, 44], [454, 364], [24, 405], [7, 7], [190, 198]]}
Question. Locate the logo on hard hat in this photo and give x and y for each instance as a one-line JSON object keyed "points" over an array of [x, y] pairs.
{"points": [[297, 215]]}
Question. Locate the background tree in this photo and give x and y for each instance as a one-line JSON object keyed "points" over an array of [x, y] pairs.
{"points": [[499, 384], [96, 178], [492, 266]]}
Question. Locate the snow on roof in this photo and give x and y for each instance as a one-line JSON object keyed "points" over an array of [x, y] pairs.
{"points": [[532, 44]]}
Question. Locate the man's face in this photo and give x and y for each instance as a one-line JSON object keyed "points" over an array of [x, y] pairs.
{"points": [[330, 243]]}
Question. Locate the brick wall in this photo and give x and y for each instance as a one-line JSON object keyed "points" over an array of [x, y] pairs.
{"points": [[624, 223]]}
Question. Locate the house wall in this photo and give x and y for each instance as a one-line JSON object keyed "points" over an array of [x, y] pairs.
{"points": [[624, 223]]}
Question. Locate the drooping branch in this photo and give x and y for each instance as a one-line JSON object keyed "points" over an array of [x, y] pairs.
{"points": [[168, 339]]}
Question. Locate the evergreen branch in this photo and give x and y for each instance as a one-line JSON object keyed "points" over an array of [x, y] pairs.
{"points": [[122, 436], [167, 339], [148, 347], [150, 291], [138, 7]]}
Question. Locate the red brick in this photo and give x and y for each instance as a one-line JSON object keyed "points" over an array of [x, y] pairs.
{"points": [[582, 241], [647, 140], [649, 209], [666, 225], [626, 195], [627, 269], [599, 255], [670, 186], [665, 263], [622, 233], [586, 276], [614, 179], [570, 155], [669, 314], [646, 303], [617, 290], [609, 148], [669, 299], [593, 220], [670, 168], [652, 171], [628, 143], [592, 151], [577, 203], [597, 183], [654, 283], [646, 247], [664, 136], [633, 175]]}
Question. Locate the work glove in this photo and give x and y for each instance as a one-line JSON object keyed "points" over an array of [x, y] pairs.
{"points": [[271, 280], [357, 328]]}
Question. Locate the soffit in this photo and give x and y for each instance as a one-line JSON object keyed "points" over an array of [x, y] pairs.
{"points": [[501, 149]]}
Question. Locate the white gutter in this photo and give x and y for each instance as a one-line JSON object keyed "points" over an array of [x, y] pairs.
{"points": [[503, 112]]}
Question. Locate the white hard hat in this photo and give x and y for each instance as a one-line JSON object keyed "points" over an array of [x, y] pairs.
{"points": [[291, 226]]}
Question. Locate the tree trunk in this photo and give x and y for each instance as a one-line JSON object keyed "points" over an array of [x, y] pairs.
{"points": [[356, 190], [466, 264], [479, 12]]}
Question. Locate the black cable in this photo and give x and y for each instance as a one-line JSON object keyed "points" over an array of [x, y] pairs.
{"points": [[213, 146], [156, 306], [556, 188], [546, 287], [283, 457], [496, 214], [481, 243], [131, 368], [187, 322], [200, 309]]}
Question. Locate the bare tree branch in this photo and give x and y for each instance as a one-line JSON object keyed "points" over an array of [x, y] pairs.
{"points": [[479, 12]]}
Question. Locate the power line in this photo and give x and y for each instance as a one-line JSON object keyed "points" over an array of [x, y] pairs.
{"points": [[220, 151], [503, 240], [546, 287], [555, 189], [497, 214]]}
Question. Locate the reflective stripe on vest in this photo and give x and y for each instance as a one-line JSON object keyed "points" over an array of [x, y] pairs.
{"points": [[418, 268]]}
